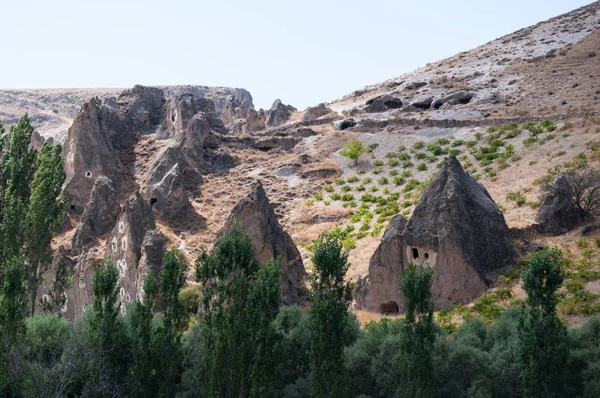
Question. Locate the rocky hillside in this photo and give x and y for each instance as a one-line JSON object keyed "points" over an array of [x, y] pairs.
{"points": [[53, 110], [152, 167]]}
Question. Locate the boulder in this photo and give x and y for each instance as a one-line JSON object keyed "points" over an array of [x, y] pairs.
{"points": [[258, 220], [315, 112], [283, 143], [415, 85], [457, 98], [100, 213], [558, 214], [278, 114], [458, 229], [422, 104], [383, 103]]}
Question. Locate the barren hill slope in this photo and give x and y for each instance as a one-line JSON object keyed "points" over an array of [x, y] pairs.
{"points": [[53, 110]]}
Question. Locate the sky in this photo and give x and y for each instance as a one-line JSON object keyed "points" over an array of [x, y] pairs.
{"points": [[303, 52]]}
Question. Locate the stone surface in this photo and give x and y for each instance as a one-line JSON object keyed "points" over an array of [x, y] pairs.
{"points": [[344, 124], [315, 112], [383, 103], [124, 245], [558, 214], [379, 291], [100, 213], [459, 97], [258, 220], [278, 114], [456, 228], [168, 196]]}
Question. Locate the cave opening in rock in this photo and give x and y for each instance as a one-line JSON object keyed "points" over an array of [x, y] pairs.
{"points": [[426, 255], [72, 207], [425, 105], [390, 307], [88, 174], [393, 104], [465, 100], [415, 252], [153, 201]]}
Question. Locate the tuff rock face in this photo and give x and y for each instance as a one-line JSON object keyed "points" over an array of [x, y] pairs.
{"points": [[457, 229], [258, 220], [279, 114], [100, 213], [125, 245], [558, 214], [379, 290], [97, 133]]}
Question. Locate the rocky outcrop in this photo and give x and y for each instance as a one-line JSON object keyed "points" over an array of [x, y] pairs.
{"points": [[315, 112], [90, 149], [100, 213], [458, 229], [279, 114], [125, 245], [457, 98], [383, 103], [143, 106], [283, 143], [168, 196], [181, 113], [379, 291], [344, 124], [558, 214], [258, 220]]}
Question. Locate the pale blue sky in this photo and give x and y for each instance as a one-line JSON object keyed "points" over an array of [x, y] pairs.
{"points": [[303, 52]]}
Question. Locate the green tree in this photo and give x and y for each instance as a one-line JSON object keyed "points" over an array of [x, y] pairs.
{"points": [[142, 382], [543, 346], [329, 298], [240, 300], [172, 279], [418, 334], [17, 167], [45, 213], [106, 333], [354, 150], [13, 301]]}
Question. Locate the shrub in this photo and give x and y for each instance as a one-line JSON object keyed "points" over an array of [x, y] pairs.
{"points": [[354, 150], [382, 180], [347, 197], [517, 197], [393, 162], [352, 179], [366, 180], [339, 181], [421, 167], [346, 188], [378, 162], [318, 196], [361, 171], [309, 202], [335, 196], [377, 170], [398, 181], [393, 173]]}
